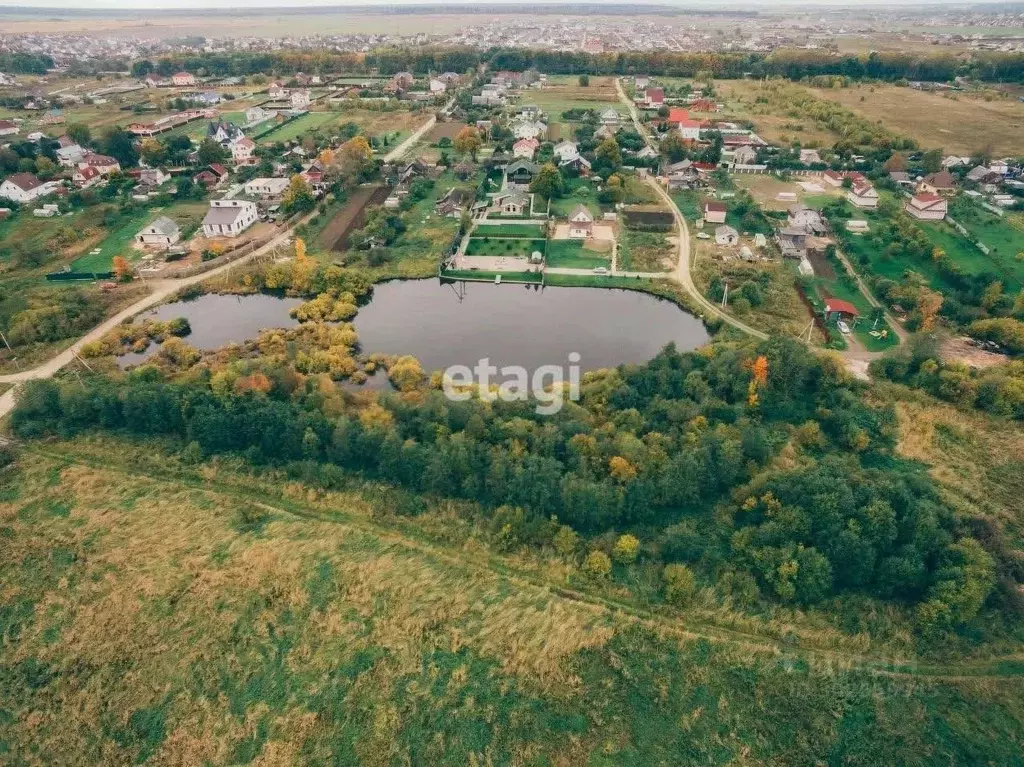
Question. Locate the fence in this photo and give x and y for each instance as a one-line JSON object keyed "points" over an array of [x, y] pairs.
{"points": [[960, 228], [85, 276]]}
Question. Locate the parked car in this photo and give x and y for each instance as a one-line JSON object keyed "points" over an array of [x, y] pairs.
{"points": [[600, 270], [843, 327]]}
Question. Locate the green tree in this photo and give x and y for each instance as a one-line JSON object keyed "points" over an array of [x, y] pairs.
{"points": [[548, 182], [79, 133], [210, 151], [680, 585], [584, 81]]}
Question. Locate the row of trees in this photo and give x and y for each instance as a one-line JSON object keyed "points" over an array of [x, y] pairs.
{"points": [[681, 452]]}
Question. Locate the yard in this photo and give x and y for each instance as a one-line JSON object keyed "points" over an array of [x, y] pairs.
{"points": [[765, 190], [577, 254], [292, 130], [503, 246], [529, 231], [646, 251], [562, 93]]}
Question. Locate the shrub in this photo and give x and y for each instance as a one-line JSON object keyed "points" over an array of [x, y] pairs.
{"points": [[598, 565], [680, 585], [626, 549]]}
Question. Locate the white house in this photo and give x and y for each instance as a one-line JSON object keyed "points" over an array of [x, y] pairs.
{"points": [[581, 223], [927, 207], [744, 155], [25, 187], [300, 99], [101, 162], [154, 177], [525, 148], [277, 91], [511, 203], [257, 115], [808, 219], [69, 156], [566, 150], [229, 218], [529, 129], [726, 235], [266, 187], [8, 128], [862, 194], [161, 232], [182, 80], [242, 152], [610, 116]]}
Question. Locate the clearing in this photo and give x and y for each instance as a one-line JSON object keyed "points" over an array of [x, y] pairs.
{"points": [[352, 216]]}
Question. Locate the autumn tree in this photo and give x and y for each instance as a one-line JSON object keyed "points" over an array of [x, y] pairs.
{"points": [[468, 141], [352, 161], [626, 549], [679, 584], [299, 197], [597, 564], [122, 269], [608, 156], [548, 182], [928, 304]]}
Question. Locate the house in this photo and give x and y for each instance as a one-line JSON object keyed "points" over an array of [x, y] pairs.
{"points": [[450, 78], [529, 129], [101, 162], [514, 203], [86, 176], [8, 128], [229, 218], [726, 235], [453, 202], [647, 153], [792, 242], [836, 178], [212, 177], [154, 177], [25, 187], [163, 233], [809, 156], [744, 155], [255, 115], [437, 86], [610, 116], [581, 223], [566, 150], [300, 99], [242, 152], [654, 97], [714, 212], [224, 133], [901, 178], [862, 194], [690, 129], [941, 183], [464, 170], [70, 156], [525, 148], [520, 173], [982, 175], [276, 91], [182, 80], [837, 309], [641, 81], [402, 80], [579, 164], [808, 219], [208, 98], [927, 207], [266, 187]]}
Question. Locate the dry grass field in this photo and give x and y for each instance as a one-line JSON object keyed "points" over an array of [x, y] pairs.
{"points": [[562, 93], [739, 99], [957, 123], [765, 190], [164, 614]]}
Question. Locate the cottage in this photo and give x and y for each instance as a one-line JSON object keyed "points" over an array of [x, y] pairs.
{"points": [[901, 178], [581, 223], [520, 173], [641, 81], [610, 116], [927, 207], [579, 164], [453, 202], [647, 153], [654, 97], [182, 80], [792, 242], [8, 128], [529, 129], [162, 232], [566, 150], [982, 175], [690, 129], [70, 156], [277, 91], [101, 162], [525, 148], [224, 133], [229, 218], [726, 235], [25, 187], [212, 177], [300, 99], [941, 183], [863, 194], [254, 115], [86, 176], [154, 177], [744, 155], [266, 187], [437, 85], [809, 156], [242, 152], [514, 203], [402, 80], [714, 212]]}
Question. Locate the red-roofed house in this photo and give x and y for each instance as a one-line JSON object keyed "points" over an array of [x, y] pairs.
{"points": [[862, 194], [690, 129], [8, 128], [677, 114], [182, 80], [927, 207], [714, 212], [86, 176], [654, 97], [525, 148], [837, 309], [101, 162]]}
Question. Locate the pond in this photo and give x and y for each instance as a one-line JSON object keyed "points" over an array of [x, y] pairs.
{"points": [[218, 320], [443, 324]]}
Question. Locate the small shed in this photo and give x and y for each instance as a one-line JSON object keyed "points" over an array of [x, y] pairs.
{"points": [[837, 309]]}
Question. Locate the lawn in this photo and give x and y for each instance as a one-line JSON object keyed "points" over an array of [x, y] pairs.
{"points": [[503, 246], [571, 254], [1004, 239], [562, 93], [292, 130], [645, 251], [578, 191], [517, 231], [843, 287]]}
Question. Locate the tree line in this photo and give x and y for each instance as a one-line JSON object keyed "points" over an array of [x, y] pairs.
{"points": [[681, 452]]}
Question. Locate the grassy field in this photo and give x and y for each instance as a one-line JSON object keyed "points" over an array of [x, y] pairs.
{"points": [[740, 99], [957, 123], [530, 231], [118, 242], [573, 254], [162, 614], [765, 190], [562, 93], [1003, 236], [646, 251]]}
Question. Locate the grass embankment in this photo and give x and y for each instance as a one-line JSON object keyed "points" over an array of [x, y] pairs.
{"points": [[173, 614]]}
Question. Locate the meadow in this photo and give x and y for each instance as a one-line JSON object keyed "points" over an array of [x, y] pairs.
{"points": [[574, 254], [158, 612]]}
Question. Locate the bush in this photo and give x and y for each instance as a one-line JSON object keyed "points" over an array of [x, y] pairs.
{"points": [[598, 565], [626, 549], [680, 585]]}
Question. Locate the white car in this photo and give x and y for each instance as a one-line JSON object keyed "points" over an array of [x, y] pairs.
{"points": [[600, 270], [843, 327]]}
